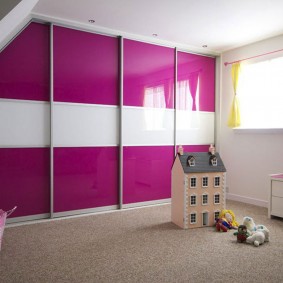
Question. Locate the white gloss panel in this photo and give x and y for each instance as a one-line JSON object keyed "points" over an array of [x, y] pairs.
{"points": [[85, 125], [195, 127], [24, 123], [148, 126]]}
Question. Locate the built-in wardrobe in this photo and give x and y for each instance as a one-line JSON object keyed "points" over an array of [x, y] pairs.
{"points": [[91, 122]]}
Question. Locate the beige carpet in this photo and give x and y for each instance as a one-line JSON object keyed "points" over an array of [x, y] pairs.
{"points": [[139, 245]]}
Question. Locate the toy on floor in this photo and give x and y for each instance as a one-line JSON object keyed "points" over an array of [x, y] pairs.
{"points": [[242, 234], [258, 233], [220, 225], [257, 238], [251, 226], [227, 218]]}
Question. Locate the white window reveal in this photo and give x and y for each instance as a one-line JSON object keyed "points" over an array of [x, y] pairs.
{"points": [[204, 199], [217, 181], [204, 182], [193, 200], [191, 161], [216, 214], [193, 218], [193, 182], [217, 199]]}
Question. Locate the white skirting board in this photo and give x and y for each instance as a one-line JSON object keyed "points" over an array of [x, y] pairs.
{"points": [[253, 201]]}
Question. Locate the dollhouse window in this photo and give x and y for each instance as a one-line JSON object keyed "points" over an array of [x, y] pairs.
{"points": [[216, 214], [216, 198], [191, 161], [193, 182], [193, 218], [193, 200], [216, 181], [204, 199], [204, 182], [213, 160]]}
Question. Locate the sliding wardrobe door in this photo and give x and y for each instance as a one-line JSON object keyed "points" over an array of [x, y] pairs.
{"points": [[24, 123], [148, 121], [195, 101], [86, 153]]}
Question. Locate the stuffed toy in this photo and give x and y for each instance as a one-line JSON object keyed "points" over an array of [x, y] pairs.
{"points": [[242, 234], [220, 227], [250, 224], [257, 238], [228, 219], [258, 233]]}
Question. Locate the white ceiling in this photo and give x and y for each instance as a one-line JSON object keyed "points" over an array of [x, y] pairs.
{"points": [[219, 24]]}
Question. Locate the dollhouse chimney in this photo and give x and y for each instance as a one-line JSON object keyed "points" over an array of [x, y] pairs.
{"points": [[211, 149], [180, 150]]}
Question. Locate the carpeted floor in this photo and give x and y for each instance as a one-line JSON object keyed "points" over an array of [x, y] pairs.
{"points": [[139, 245]]}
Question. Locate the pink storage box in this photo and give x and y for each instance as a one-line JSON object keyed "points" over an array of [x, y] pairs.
{"points": [[3, 216]]}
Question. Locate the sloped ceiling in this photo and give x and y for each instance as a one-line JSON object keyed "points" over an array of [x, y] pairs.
{"points": [[219, 24]]}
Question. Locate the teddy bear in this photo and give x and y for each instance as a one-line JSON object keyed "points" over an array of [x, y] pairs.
{"points": [[242, 234]]}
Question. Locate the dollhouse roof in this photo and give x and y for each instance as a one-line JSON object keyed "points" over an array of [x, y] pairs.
{"points": [[202, 163]]}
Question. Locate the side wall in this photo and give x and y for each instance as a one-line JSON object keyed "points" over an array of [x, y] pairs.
{"points": [[249, 156]]}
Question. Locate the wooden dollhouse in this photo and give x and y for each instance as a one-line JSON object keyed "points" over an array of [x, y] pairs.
{"points": [[198, 188]]}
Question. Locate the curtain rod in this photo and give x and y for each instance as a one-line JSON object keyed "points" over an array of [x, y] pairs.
{"points": [[228, 63]]}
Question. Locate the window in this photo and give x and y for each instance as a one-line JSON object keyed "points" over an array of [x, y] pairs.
{"points": [[260, 94], [193, 218], [193, 200], [204, 199], [193, 182], [216, 198], [205, 182], [216, 214], [191, 161], [213, 160], [216, 181]]}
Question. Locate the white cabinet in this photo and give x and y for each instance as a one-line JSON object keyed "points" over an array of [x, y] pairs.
{"points": [[275, 207]]}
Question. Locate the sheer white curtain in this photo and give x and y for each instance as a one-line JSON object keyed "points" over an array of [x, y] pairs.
{"points": [[155, 105]]}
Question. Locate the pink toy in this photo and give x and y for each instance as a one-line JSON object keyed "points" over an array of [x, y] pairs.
{"points": [[3, 216]]}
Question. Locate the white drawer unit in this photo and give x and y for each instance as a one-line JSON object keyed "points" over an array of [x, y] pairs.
{"points": [[275, 207]]}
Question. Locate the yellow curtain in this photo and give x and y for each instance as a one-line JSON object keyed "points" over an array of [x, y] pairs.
{"points": [[234, 119]]}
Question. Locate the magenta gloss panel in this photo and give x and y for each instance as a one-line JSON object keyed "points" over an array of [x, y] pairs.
{"points": [[85, 67], [199, 73], [148, 69], [147, 173], [24, 175], [85, 177], [195, 148], [24, 65]]}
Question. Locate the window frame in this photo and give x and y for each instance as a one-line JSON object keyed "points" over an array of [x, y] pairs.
{"points": [[191, 180], [214, 181]]}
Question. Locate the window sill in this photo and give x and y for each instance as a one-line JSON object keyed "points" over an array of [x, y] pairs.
{"points": [[258, 130]]}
